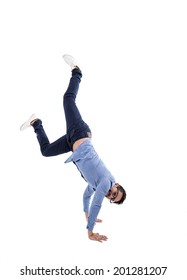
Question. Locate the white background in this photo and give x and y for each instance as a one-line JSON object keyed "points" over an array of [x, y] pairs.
{"points": [[133, 96]]}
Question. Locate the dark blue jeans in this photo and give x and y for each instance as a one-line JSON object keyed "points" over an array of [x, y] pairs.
{"points": [[76, 128]]}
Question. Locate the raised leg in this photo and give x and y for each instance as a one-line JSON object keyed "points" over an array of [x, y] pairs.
{"points": [[76, 127], [71, 111], [60, 146]]}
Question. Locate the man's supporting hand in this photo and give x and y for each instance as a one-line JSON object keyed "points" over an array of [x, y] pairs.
{"points": [[96, 236]]}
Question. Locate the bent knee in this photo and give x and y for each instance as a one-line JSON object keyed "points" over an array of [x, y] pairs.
{"points": [[45, 152]]}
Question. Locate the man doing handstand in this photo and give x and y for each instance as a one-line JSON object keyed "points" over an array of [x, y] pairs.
{"points": [[77, 139]]}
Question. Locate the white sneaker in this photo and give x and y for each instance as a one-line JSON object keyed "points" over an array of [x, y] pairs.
{"points": [[28, 122], [70, 60]]}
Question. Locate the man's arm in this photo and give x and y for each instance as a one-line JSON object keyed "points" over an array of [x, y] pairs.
{"points": [[86, 198], [97, 220], [100, 193], [86, 201]]}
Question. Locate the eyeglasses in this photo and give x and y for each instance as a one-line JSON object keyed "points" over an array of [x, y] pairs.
{"points": [[114, 195]]}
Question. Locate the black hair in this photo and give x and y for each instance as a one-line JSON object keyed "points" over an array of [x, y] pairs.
{"points": [[122, 190]]}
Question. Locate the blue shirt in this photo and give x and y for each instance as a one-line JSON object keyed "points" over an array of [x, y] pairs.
{"points": [[98, 177]]}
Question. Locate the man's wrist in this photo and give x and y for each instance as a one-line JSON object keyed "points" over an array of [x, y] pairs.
{"points": [[90, 233]]}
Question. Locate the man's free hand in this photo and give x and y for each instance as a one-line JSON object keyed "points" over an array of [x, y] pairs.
{"points": [[99, 221], [96, 236]]}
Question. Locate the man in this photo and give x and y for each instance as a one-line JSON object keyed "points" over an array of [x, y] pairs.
{"points": [[77, 139]]}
